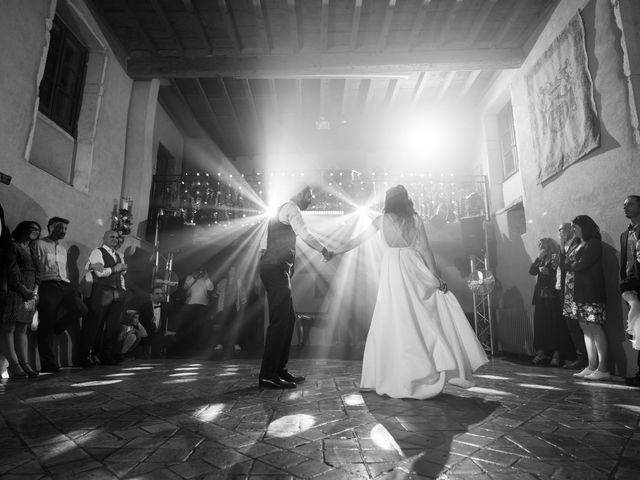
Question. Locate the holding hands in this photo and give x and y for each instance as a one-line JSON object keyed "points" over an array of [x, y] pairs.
{"points": [[327, 254]]}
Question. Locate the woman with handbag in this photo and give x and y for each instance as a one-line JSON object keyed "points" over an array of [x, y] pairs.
{"points": [[22, 296], [550, 334]]}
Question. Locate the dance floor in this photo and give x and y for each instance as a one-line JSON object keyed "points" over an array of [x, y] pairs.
{"points": [[183, 419]]}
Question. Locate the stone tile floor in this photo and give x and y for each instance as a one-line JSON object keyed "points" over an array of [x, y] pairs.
{"points": [[177, 418]]}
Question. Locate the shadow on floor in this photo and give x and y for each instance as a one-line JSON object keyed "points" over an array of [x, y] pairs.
{"points": [[424, 429]]}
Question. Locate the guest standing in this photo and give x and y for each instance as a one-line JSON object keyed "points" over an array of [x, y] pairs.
{"points": [[232, 299], [22, 296], [585, 298], [550, 332], [629, 265], [106, 304], [568, 242], [60, 303], [194, 323]]}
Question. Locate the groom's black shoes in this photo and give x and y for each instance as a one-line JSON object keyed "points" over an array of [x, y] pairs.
{"points": [[275, 382], [285, 375]]}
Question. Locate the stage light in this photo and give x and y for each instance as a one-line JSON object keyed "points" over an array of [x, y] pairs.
{"points": [[271, 211], [362, 211]]}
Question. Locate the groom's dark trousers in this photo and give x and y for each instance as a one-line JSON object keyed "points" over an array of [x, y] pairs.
{"points": [[276, 278]]}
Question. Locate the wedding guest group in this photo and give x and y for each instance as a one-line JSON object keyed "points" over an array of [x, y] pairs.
{"points": [[41, 275]]}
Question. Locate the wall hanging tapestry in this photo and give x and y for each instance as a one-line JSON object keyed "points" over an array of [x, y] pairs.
{"points": [[563, 113]]}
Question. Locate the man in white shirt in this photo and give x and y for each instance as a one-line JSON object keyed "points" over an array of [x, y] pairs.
{"points": [[276, 269], [60, 303], [106, 304], [194, 322]]}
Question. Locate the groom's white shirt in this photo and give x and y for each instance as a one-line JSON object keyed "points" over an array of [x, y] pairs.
{"points": [[290, 214]]}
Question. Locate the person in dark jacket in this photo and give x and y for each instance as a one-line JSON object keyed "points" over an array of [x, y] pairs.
{"points": [[550, 334], [154, 317], [585, 298]]}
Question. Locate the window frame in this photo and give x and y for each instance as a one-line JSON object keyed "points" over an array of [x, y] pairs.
{"points": [[53, 78], [507, 141]]}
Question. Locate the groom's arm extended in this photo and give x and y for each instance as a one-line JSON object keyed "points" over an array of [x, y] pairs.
{"points": [[365, 235], [294, 218]]}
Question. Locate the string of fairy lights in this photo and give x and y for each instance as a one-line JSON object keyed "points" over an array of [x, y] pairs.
{"points": [[210, 199]]}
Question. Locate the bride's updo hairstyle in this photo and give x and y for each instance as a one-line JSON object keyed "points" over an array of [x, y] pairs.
{"points": [[397, 201]]}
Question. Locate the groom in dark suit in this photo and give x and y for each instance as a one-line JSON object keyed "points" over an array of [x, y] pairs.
{"points": [[154, 317], [276, 269], [629, 266]]}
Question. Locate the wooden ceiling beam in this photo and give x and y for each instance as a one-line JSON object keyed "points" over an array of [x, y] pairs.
{"points": [[419, 88], [392, 93], [343, 100], [263, 19], [506, 26], [299, 100], [188, 5], [274, 99], [418, 23], [324, 26], [471, 79], [386, 24], [207, 103], [445, 86], [479, 22], [324, 93], [365, 92], [167, 24], [227, 97], [130, 13], [293, 26], [355, 25], [542, 17], [335, 64], [216, 123], [252, 102], [451, 16], [230, 25]]}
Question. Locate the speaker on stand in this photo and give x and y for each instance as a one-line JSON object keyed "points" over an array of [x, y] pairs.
{"points": [[473, 237], [169, 238], [169, 233]]}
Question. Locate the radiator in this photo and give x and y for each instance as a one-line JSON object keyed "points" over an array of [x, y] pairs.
{"points": [[515, 330]]}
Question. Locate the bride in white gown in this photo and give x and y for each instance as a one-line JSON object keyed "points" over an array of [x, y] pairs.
{"points": [[419, 338]]}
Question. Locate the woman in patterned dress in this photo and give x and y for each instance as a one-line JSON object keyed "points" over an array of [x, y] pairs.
{"points": [[22, 297], [585, 298]]}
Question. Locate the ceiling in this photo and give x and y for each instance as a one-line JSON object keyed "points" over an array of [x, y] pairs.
{"points": [[316, 75]]}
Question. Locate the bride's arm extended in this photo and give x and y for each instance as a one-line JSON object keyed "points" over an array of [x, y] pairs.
{"points": [[365, 235], [426, 253]]}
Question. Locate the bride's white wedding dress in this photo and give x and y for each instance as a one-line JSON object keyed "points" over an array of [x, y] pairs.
{"points": [[419, 338]]}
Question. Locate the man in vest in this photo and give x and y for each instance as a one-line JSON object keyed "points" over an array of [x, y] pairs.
{"points": [[106, 304], [276, 269]]}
